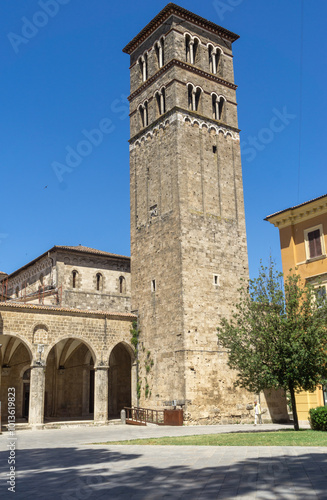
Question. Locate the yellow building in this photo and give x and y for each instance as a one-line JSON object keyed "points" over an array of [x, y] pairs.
{"points": [[303, 243]]}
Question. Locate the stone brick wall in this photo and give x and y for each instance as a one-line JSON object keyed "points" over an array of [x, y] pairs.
{"points": [[49, 281]]}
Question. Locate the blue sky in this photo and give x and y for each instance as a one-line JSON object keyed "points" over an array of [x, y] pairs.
{"points": [[67, 75]]}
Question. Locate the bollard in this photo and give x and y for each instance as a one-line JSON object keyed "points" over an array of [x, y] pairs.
{"points": [[123, 417]]}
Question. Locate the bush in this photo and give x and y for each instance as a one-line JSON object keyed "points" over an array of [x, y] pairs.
{"points": [[318, 418]]}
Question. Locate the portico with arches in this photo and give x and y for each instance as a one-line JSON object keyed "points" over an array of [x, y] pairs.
{"points": [[66, 365]]}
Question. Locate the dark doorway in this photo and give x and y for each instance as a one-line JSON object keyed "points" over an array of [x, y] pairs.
{"points": [[120, 380], [26, 393], [91, 401]]}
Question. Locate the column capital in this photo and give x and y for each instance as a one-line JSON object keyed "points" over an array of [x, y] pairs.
{"points": [[101, 367], [38, 364]]}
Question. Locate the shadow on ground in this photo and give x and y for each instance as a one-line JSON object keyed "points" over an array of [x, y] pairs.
{"points": [[82, 474]]}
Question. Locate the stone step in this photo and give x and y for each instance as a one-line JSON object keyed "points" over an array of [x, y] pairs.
{"points": [[62, 424]]}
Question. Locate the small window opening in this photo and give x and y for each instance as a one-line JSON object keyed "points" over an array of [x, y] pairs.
{"points": [[122, 285], [216, 279], [74, 274], [153, 285], [214, 149], [99, 281]]}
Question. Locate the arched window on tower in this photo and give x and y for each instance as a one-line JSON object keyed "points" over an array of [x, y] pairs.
{"points": [[214, 59], [191, 47], [99, 282], [122, 285], [74, 279], [218, 107], [194, 94], [160, 51], [161, 101], [143, 63], [143, 109]]}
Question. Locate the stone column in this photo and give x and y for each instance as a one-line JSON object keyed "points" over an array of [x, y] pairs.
{"points": [[214, 61], [101, 394], [217, 109], [144, 68], [134, 384], [145, 115], [162, 103], [86, 392], [37, 388], [191, 52], [194, 99]]}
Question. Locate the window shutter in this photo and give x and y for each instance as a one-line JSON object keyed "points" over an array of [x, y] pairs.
{"points": [[314, 243]]}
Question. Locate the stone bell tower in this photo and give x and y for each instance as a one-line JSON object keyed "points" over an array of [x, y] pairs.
{"points": [[188, 239]]}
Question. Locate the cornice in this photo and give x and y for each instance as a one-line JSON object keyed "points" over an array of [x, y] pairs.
{"points": [[173, 9], [182, 115], [296, 215], [64, 310], [186, 66]]}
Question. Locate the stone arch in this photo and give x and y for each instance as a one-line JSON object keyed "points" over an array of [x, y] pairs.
{"points": [[127, 346], [40, 334], [120, 378], [24, 370], [67, 337], [16, 356], [69, 379]]}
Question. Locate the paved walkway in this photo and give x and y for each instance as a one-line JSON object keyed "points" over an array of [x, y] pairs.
{"points": [[58, 464]]}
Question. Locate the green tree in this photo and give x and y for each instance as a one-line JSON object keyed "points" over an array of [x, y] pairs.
{"points": [[277, 336]]}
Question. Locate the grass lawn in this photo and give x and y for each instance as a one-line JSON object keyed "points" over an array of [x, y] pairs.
{"points": [[276, 438]]}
